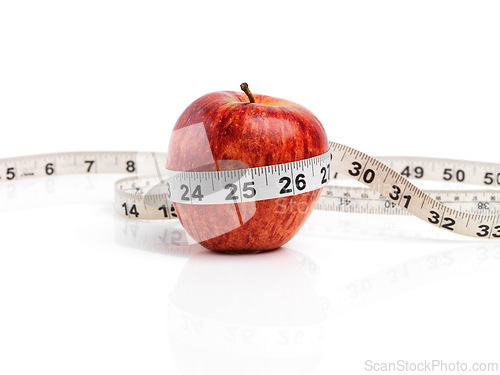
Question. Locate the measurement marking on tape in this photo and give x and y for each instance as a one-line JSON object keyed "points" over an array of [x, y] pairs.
{"points": [[471, 213]]}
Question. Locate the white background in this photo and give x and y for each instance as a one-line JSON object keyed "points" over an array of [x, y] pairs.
{"points": [[78, 293]]}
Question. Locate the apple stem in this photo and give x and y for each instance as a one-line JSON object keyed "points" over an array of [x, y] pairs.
{"points": [[246, 90]]}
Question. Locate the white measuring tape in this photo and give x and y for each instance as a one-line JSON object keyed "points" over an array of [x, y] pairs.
{"points": [[473, 213]]}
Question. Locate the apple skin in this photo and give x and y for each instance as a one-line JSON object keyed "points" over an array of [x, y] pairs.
{"points": [[268, 132]]}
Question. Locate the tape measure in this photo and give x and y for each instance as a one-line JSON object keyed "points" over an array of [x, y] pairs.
{"points": [[473, 213]]}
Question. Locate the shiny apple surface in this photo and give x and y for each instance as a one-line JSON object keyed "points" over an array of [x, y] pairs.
{"points": [[224, 131]]}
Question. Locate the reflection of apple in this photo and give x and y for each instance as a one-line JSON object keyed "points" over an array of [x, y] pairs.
{"points": [[247, 315], [257, 130]]}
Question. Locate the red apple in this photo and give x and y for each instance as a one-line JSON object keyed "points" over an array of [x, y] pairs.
{"points": [[229, 130]]}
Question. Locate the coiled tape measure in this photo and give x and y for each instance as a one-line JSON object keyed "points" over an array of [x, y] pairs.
{"points": [[473, 213]]}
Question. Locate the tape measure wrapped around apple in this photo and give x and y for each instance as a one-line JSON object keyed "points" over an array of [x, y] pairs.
{"points": [[243, 173], [228, 130]]}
